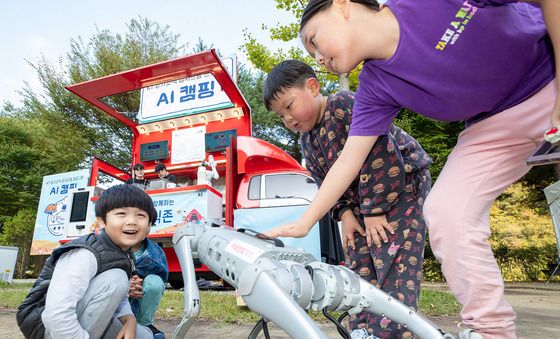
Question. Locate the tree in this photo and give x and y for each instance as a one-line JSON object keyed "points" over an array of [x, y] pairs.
{"points": [[18, 231], [33, 145], [146, 42]]}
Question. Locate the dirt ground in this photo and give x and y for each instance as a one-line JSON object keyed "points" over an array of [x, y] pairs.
{"points": [[537, 307]]}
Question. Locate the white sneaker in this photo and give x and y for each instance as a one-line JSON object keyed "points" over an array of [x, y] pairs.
{"points": [[468, 333], [362, 333]]}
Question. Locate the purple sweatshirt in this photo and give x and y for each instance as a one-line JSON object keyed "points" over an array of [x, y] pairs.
{"points": [[456, 60]]}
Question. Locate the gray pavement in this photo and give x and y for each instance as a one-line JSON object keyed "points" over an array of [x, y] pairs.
{"points": [[537, 307]]}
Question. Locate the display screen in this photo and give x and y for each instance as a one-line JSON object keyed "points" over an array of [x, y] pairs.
{"points": [[154, 151], [79, 206], [218, 141]]}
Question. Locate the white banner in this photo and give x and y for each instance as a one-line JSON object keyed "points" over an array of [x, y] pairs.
{"points": [[188, 145], [49, 226], [201, 93]]}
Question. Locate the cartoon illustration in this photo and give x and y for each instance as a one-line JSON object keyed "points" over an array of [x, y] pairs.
{"points": [[55, 216]]}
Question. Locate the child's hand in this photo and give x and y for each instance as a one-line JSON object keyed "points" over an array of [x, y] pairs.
{"points": [[375, 229], [128, 330], [136, 290], [292, 230], [350, 225]]}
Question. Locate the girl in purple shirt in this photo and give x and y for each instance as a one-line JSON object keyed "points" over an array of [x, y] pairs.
{"points": [[489, 63]]}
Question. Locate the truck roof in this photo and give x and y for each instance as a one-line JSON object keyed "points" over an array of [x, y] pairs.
{"points": [[208, 62]]}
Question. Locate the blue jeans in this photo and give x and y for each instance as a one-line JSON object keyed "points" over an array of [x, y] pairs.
{"points": [[146, 308]]}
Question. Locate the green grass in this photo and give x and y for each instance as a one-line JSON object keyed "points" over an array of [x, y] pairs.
{"points": [[438, 303], [221, 306], [11, 295]]}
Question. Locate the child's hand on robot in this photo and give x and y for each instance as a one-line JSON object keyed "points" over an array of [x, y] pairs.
{"points": [[291, 230], [376, 228], [136, 290]]}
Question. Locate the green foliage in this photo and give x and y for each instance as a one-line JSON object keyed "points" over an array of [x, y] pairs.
{"points": [[522, 237], [436, 137], [31, 146], [18, 232], [105, 53]]}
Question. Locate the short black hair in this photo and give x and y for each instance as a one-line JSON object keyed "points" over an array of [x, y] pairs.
{"points": [[285, 75], [124, 195], [138, 167], [160, 167], [315, 6]]}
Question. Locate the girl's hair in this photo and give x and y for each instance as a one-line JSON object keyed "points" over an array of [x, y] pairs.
{"points": [[315, 6], [121, 196]]}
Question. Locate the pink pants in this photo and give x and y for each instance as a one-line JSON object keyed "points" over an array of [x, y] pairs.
{"points": [[488, 157]]}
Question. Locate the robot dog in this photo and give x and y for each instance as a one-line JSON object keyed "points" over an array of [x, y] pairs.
{"points": [[280, 283]]}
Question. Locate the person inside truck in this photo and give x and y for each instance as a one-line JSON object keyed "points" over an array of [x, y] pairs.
{"points": [[148, 283], [162, 172], [82, 291], [138, 176], [381, 213]]}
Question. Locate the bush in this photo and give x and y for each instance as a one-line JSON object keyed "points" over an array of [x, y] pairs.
{"points": [[522, 237]]}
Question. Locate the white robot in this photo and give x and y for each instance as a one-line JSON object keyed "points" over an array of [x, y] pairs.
{"points": [[280, 283], [203, 176]]}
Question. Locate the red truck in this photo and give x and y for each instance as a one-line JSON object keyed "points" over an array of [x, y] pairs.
{"points": [[189, 109]]}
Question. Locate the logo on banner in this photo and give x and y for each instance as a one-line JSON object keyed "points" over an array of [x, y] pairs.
{"points": [[194, 216]]}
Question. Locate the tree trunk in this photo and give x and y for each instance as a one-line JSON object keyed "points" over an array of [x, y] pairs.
{"points": [[344, 82]]}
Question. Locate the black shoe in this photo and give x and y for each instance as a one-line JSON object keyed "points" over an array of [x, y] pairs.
{"points": [[157, 333]]}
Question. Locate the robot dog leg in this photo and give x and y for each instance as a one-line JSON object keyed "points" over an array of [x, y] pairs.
{"points": [[182, 242], [252, 266], [337, 288]]}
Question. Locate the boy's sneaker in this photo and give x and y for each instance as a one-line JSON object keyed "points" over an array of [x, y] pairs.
{"points": [[362, 333], [552, 135], [468, 333], [157, 333]]}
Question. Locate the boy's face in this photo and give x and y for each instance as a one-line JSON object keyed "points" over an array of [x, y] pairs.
{"points": [[300, 108], [162, 173], [126, 226], [327, 38], [139, 173]]}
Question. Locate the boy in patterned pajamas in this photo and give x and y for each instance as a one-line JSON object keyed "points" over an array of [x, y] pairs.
{"points": [[392, 186]]}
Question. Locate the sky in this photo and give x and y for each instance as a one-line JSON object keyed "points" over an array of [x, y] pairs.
{"points": [[33, 28]]}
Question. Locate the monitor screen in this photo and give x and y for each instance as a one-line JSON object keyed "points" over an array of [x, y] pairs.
{"points": [[154, 151], [79, 206], [218, 141]]}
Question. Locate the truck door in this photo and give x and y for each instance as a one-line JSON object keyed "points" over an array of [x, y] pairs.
{"points": [[269, 200]]}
